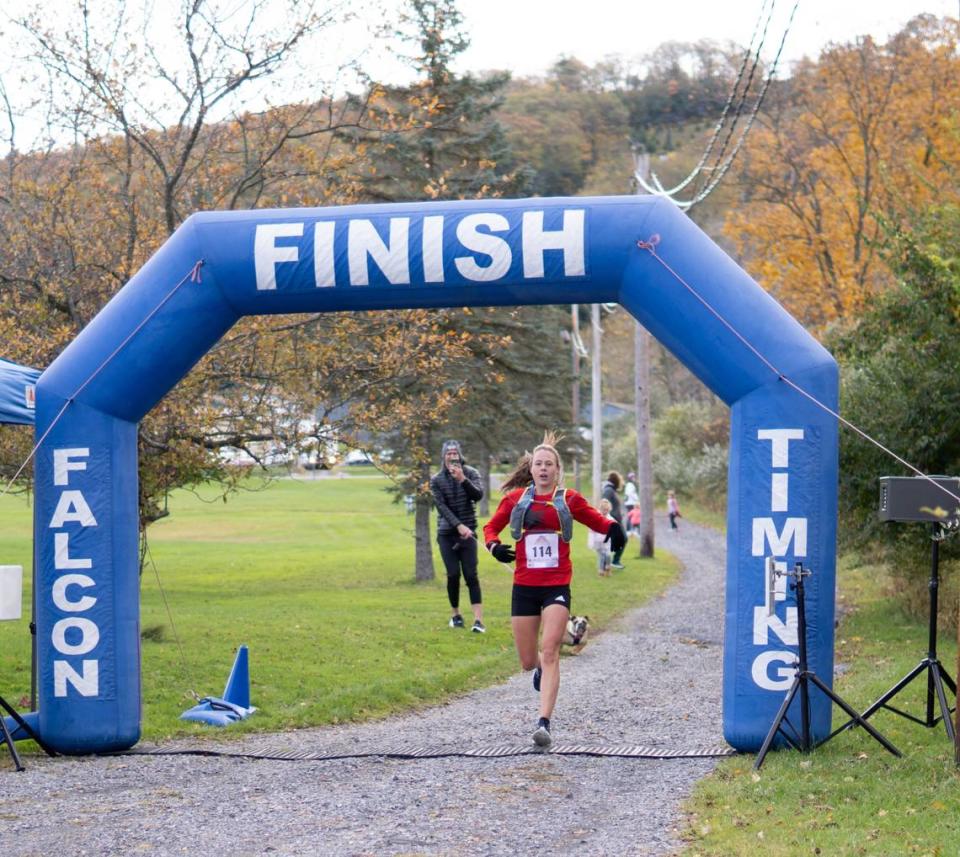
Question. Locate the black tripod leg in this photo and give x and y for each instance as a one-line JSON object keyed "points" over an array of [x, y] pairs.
{"points": [[948, 681], [8, 740], [942, 697], [900, 685], [859, 719], [22, 724], [777, 722]]}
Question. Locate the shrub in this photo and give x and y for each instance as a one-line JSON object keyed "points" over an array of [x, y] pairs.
{"points": [[899, 384], [691, 450]]}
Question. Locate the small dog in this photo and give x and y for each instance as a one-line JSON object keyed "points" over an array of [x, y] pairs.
{"points": [[576, 633]]}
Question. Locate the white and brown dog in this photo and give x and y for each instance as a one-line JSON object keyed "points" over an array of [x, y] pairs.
{"points": [[576, 633]]}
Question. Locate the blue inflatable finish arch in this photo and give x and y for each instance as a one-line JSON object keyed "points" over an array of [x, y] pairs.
{"points": [[783, 453]]}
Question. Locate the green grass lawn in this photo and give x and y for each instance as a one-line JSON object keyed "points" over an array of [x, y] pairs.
{"points": [[848, 797], [316, 578], [713, 518]]}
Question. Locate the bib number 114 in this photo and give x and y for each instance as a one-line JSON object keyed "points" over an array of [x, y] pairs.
{"points": [[543, 550]]}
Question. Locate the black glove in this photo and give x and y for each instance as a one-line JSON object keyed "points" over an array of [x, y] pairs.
{"points": [[503, 553], [616, 537]]}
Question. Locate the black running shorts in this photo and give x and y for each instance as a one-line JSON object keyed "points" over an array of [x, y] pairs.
{"points": [[531, 600]]}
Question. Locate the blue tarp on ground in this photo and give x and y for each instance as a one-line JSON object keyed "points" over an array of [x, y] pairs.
{"points": [[16, 393]]}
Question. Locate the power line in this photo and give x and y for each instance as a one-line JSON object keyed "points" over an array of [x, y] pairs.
{"points": [[722, 121], [722, 165]]}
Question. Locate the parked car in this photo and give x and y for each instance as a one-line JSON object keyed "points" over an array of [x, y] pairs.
{"points": [[357, 456]]}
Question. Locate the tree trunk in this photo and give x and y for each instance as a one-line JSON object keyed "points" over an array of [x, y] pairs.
{"points": [[486, 482], [575, 397], [641, 358], [641, 369], [956, 730], [421, 536]]}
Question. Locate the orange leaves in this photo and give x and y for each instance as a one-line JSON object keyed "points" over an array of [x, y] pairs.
{"points": [[868, 133]]}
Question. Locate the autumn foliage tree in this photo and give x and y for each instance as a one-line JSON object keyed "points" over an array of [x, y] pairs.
{"points": [[153, 136], [868, 131], [849, 217], [437, 138], [899, 381]]}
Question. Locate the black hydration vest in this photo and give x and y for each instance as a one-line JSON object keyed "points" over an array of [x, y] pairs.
{"points": [[559, 503]]}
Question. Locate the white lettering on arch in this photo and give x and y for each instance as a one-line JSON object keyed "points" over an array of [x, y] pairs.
{"points": [[470, 236], [324, 273], [72, 507], [86, 683], [267, 255], [780, 444], [765, 532], [61, 554], [89, 636], [764, 623], [569, 239], [392, 258], [760, 671], [433, 249], [63, 463], [85, 602]]}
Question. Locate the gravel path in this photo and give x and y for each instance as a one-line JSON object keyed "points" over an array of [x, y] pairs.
{"points": [[652, 680]]}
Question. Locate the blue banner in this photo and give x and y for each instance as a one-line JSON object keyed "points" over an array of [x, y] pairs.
{"points": [[17, 393]]}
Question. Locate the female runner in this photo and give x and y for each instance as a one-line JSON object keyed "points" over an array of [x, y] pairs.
{"points": [[541, 515]]}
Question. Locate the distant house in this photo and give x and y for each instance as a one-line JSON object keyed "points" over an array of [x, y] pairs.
{"points": [[610, 411]]}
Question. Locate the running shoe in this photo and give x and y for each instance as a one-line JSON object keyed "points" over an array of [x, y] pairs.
{"points": [[536, 679], [541, 737], [478, 627], [617, 565], [456, 621]]}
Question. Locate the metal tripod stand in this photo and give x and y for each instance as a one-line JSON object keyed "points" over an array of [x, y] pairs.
{"points": [[803, 740], [7, 738], [937, 676]]}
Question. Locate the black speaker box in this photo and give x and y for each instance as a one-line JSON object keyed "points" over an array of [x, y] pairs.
{"points": [[913, 498]]}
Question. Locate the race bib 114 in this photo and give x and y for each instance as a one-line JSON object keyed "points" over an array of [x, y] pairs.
{"points": [[543, 550]]}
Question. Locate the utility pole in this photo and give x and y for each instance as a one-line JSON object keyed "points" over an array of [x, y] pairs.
{"points": [[641, 389], [596, 401], [575, 398]]}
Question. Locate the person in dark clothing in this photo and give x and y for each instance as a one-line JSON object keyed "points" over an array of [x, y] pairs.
{"points": [[609, 492], [456, 489]]}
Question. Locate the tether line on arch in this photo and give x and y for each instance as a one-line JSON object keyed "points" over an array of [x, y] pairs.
{"points": [[148, 554], [650, 245], [193, 275]]}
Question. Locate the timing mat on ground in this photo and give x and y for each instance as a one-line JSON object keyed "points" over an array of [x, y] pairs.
{"points": [[631, 751]]}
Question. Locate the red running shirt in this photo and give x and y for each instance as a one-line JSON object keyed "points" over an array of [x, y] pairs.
{"points": [[543, 558]]}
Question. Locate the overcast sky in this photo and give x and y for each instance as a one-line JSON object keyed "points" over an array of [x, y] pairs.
{"points": [[526, 36]]}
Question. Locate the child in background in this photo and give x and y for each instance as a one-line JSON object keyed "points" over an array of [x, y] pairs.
{"points": [[631, 499], [597, 542], [633, 522], [673, 510]]}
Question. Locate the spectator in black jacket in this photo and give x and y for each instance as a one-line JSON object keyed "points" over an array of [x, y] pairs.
{"points": [[609, 492], [456, 489]]}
